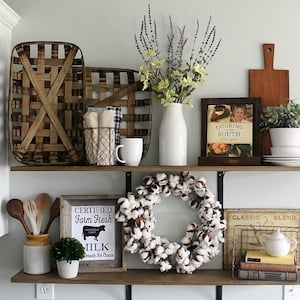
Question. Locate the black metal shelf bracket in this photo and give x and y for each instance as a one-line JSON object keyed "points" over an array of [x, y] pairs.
{"points": [[128, 187], [220, 195]]}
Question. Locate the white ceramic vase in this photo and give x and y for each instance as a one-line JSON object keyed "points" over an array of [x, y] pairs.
{"points": [[67, 269], [173, 136]]}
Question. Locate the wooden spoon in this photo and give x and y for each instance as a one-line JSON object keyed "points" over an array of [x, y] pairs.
{"points": [[54, 213], [31, 212], [15, 209], [43, 202]]}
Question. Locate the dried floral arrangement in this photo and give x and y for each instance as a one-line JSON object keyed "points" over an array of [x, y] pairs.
{"points": [[172, 78], [201, 241]]}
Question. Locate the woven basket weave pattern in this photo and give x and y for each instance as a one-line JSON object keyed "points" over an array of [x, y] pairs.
{"points": [[47, 103], [50, 90]]}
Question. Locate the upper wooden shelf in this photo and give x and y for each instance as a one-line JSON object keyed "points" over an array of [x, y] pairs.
{"points": [[146, 277], [152, 168]]}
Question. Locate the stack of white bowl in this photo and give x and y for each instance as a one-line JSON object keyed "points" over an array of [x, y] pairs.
{"points": [[285, 151]]}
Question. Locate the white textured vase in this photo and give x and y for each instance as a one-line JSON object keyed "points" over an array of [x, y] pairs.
{"points": [[173, 137], [67, 269]]}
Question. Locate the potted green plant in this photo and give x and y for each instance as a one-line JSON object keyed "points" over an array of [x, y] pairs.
{"points": [[67, 252], [283, 123]]}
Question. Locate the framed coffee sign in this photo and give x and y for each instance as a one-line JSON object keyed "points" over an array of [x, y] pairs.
{"points": [[230, 130], [245, 225], [91, 219]]}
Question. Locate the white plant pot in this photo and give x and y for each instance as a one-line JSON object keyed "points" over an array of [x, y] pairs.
{"points": [[285, 137], [67, 269]]}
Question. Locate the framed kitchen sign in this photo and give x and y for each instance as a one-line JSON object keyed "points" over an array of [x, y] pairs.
{"points": [[245, 225], [230, 131], [91, 219]]}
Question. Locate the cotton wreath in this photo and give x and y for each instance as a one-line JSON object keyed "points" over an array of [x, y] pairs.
{"points": [[201, 241]]}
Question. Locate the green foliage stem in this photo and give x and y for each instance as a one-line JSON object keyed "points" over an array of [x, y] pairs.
{"points": [[282, 116]]}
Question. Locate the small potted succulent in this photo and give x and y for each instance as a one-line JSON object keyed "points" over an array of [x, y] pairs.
{"points": [[67, 252], [283, 122]]}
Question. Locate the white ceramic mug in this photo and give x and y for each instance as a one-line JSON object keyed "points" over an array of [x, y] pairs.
{"points": [[131, 150]]}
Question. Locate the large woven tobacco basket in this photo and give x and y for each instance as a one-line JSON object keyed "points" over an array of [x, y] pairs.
{"points": [[50, 90]]}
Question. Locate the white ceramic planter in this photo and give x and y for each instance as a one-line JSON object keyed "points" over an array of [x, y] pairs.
{"points": [[285, 137], [67, 269]]}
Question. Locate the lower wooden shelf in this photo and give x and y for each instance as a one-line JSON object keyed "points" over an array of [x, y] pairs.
{"points": [[146, 277]]}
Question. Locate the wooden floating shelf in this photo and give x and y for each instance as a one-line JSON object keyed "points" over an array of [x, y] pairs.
{"points": [[152, 168], [146, 277]]}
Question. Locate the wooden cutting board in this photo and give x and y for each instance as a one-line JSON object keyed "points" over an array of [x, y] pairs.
{"points": [[271, 85]]}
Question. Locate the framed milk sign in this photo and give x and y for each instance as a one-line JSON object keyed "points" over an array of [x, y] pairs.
{"points": [[91, 219], [230, 132]]}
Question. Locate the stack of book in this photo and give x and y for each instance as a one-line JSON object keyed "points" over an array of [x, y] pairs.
{"points": [[261, 266]]}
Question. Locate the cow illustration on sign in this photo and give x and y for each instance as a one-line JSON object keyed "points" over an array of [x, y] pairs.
{"points": [[92, 231]]}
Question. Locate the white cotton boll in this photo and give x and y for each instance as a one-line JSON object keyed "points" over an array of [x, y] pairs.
{"points": [[128, 214], [170, 251], [134, 214], [134, 248], [165, 266], [190, 269], [131, 246], [146, 234], [120, 200], [162, 178], [137, 233], [166, 191], [177, 191], [152, 244], [149, 225], [144, 202], [148, 181], [133, 204], [140, 223], [191, 227], [121, 218], [186, 240], [159, 250], [141, 211], [158, 240], [185, 198], [156, 259], [173, 180], [186, 261], [130, 197], [151, 199], [172, 248], [141, 191], [145, 255], [199, 259], [195, 264], [125, 203]]}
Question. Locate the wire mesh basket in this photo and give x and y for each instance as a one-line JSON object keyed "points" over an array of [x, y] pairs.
{"points": [[100, 146], [249, 237]]}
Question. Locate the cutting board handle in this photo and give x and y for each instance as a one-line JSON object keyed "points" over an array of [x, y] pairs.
{"points": [[269, 56]]}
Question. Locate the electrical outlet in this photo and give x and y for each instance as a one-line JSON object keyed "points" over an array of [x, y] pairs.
{"points": [[44, 291], [291, 292]]}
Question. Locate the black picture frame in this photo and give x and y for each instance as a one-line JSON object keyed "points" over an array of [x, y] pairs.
{"points": [[91, 219], [226, 140]]}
